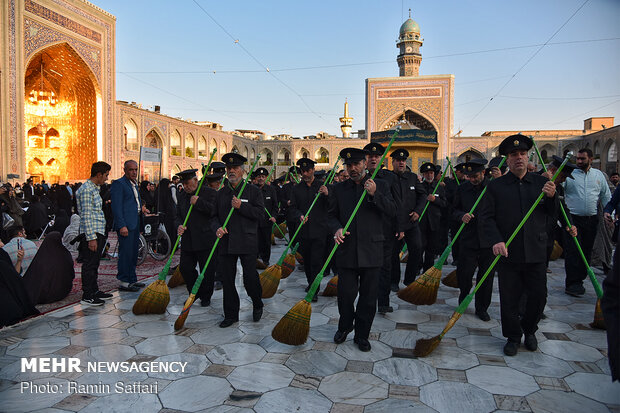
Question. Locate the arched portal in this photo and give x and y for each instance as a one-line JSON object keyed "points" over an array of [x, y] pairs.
{"points": [[284, 157], [266, 157], [468, 155], [130, 130], [321, 155], [60, 114], [409, 120]]}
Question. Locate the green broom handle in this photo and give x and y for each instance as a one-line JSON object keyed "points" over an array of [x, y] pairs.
{"points": [[463, 306], [453, 173], [270, 173], [217, 240], [164, 271], [329, 179], [428, 202], [319, 276], [595, 284], [446, 252], [276, 225], [443, 174]]}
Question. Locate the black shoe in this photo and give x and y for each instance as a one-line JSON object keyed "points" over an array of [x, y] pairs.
{"points": [[257, 313], [394, 288], [530, 342], [543, 316], [385, 309], [217, 285], [307, 289], [341, 336], [316, 297], [362, 344], [227, 322], [94, 301], [103, 296], [205, 302], [128, 287], [483, 315], [511, 348], [575, 290], [138, 284]]}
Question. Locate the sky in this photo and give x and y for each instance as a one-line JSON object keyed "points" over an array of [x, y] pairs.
{"points": [[286, 66]]}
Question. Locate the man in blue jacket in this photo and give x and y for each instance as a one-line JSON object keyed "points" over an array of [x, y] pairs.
{"points": [[127, 210]]}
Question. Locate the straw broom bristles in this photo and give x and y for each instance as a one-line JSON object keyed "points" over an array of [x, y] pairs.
{"points": [[270, 279], [300, 258], [598, 322], [403, 256], [423, 291], [176, 279], [450, 280], [153, 300], [331, 289], [273, 239], [288, 266], [294, 327], [180, 322], [260, 264], [425, 346], [556, 252]]}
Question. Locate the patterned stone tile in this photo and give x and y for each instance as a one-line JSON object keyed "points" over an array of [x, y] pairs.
{"points": [[353, 388], [306, 382], [397, 405], [47, 327], [242, 398], [451, 375], [214, 337], [592, 338], [272, 376], [108, 353], [482, 345], [236, 354], [91, 322], [148, 329], [163, 345], [272, 346], [585, 367], [404, 372], [502, 380], [199, 349], [404, 392], [560, 401], [451, 357], [408, 316], [491, 360], [70, 350], [316, 363], [401, 338], [293, 399], [277, 358], [570, 351], [552, 383], [434, 327], [595, 386], [196, 364], [214, 391], [75, 402], [350, 351], [534, 363], [346, 408], [323, 346], [13, 397], [37, 346], [359, 366], [218, 370], [512, 403], [98, 337], [464, 397]]}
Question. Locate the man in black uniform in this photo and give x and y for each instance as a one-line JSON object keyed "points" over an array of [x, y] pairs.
{"points": [[412, 198], [239, 239], [390, 226], [430, 225], [285, 199], [471, 255], [217, 171], [314, 232], [265, 226], [506, 202], [197, 238], [451, 188], [361, 247]]}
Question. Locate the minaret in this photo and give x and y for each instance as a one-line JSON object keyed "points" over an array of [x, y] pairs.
{"points": [[409, 42], [346, 122]]}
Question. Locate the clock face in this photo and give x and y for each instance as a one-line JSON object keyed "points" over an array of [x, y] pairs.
{"points": [[408, 49]]}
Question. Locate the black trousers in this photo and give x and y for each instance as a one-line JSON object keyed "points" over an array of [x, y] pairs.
{"points": [[514, 280], [352, 281], [187, 265], [573, 264], [90, 266], [227, 267], [313, 251], [264, 243], [456, 247], [469, 259], [385, 273], [414, 246]]}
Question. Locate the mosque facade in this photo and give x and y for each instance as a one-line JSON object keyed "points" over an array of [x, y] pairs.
{"points": [[59, 112]]}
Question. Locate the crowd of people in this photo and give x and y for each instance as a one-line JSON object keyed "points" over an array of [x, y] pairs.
{"points": [[403, 210]]}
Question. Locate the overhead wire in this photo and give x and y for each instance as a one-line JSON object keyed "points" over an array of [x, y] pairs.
{"points": [[526, 63]]}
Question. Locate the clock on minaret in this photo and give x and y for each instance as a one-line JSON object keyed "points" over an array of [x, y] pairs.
{"points": [[409, 42]]}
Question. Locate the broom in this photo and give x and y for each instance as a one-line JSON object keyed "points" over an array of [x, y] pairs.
{"points": [[155, 298], [425, 346], [598, 321], [176, 279], [280, 231], [270, 278], [402, 255], [288, 264], [423, 291], [294, 327], [276, 226], [556, 252], [296, 255], [178, 324], [331, 289], [450, 280]]}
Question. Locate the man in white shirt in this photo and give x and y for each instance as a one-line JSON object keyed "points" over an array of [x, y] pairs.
{"points": [[582, 194]]}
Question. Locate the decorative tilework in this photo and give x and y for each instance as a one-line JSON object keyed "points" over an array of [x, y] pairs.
{"points": [[12, 87], [63, 21], [37, 36], [408, 93], [150, 123]]}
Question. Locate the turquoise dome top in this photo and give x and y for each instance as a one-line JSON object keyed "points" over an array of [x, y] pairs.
{"points": [[409, 26]]}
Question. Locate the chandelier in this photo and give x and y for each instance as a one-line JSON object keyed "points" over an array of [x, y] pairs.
{"points": [[44, 99]]}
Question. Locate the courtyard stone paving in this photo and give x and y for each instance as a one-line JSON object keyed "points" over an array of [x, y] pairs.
{"points": [[242, 369]]}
